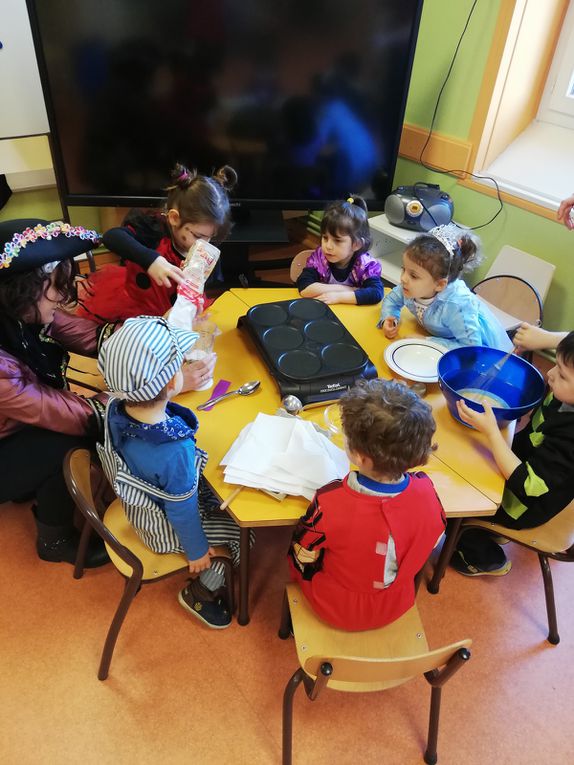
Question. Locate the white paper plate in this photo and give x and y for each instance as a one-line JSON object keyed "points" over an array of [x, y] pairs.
{"points": [[415, 358]]}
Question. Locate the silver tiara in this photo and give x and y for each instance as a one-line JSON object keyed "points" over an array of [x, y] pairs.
{"points": [[448, 235]]}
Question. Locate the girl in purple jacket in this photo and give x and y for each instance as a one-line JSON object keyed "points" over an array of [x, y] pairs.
{"points": [[341, 270]]}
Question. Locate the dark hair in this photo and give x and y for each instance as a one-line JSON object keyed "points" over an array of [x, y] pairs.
{"points": [[200, 199], [385, 421], [348, 218], [429, 253], [20, 293], [565, 350]]}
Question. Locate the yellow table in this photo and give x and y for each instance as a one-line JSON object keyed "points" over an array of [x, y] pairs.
{"points": [[466, 478]]}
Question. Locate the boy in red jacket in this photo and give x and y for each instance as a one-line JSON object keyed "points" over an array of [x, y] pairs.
{"points": [[358, 548]]}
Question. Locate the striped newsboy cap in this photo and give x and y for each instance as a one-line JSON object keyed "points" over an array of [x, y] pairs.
{"points": [[139, 360]]}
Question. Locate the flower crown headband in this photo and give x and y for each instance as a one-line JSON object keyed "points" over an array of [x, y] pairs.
{"points": [[20, 240]]}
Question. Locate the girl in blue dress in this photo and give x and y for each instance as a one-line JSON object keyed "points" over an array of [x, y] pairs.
{"points": [[432, 289]]}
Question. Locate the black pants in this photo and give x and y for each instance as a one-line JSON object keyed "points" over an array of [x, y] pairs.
{"points": [[31, 468]]}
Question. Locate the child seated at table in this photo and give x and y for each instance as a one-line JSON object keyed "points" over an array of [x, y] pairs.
{"points": [[538, 467], [341, 270], [432, 289], [151, 459], [356, 552]]}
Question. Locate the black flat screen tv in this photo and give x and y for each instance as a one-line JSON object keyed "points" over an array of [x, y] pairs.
{"points": [[305, 99]]}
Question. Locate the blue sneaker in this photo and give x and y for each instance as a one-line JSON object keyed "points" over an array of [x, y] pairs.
{"points": [[204, 605]]}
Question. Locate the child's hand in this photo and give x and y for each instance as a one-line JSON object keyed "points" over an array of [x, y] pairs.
{"points": [[533, 338], [164, 273], [390, 327], [201, 564], [484, 422], [333, 297], [196, 373]]}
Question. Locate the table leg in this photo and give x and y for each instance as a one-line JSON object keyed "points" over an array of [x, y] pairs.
{"points": [[243, 613], [445, 554]]}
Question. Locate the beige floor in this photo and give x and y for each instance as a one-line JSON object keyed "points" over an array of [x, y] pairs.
{"points": [[180, 693]]}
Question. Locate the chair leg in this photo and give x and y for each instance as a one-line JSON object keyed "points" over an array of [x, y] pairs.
{"points": [[131, 589], [553, 636], [430, 756], [82, 549], [285, 624], [290, 688], [229, 584], [448, 546]]}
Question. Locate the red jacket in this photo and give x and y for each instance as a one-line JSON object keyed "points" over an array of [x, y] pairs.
{"points": [[340, 547]]}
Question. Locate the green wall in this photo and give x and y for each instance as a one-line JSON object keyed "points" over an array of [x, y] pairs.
{"points": [[441, 25]]}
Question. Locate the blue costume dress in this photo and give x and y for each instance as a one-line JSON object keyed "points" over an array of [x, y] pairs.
{"points": [[455, 317]]}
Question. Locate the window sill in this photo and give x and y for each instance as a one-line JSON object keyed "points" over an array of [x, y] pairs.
{"points": [[537, 167]]}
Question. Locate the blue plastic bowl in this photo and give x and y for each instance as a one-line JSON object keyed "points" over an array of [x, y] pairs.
{"points": [[518, 384]]}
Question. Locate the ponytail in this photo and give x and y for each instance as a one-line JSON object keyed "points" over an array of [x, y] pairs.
{"points": [[226, 177]]}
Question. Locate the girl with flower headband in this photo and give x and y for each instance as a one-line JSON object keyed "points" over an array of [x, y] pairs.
{"points": [[153, 245], [432, 289], [341, 270]]}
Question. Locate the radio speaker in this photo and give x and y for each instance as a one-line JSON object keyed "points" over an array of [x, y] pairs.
{"points": [[419, 208]]}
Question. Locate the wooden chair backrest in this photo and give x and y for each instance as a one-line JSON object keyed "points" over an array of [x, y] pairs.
{"points": [[537, 272], [371, 660], [513, 297], [359, 669], [298, 264]]}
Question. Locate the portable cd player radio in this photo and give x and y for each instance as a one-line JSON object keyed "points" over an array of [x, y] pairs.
{"points": [[419, 207]]}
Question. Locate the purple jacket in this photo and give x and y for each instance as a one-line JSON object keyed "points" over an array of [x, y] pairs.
{"points": [[365, 267], [25, 400]]}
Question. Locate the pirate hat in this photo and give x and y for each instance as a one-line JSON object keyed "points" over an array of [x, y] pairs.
{"points": [[29, 243]]}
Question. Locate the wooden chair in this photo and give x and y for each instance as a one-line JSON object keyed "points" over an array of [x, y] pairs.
{"points": [[554, 539], [298, 264], [363, 661], [511, 299], [83, 371], [515, 287], [133, 559], [537, 272]]}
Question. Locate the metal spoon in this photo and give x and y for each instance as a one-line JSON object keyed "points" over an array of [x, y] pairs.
{"points": [[244, 390], [292, 405]]}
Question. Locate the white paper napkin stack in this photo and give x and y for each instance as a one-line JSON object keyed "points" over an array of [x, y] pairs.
{"points": [[283, 454]]}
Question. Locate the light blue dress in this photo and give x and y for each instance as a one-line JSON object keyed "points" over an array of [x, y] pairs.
{"points": [[455, 317]]}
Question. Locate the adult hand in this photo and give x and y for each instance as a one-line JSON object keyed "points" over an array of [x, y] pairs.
{"points": [[565, 212], [196, 373], [164, 273], [201, 564], [484, 422], [390, 327]]}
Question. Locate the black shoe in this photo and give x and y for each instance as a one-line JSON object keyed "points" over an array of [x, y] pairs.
{"points": [[459, 564], [59, 544], [204, 605]]}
